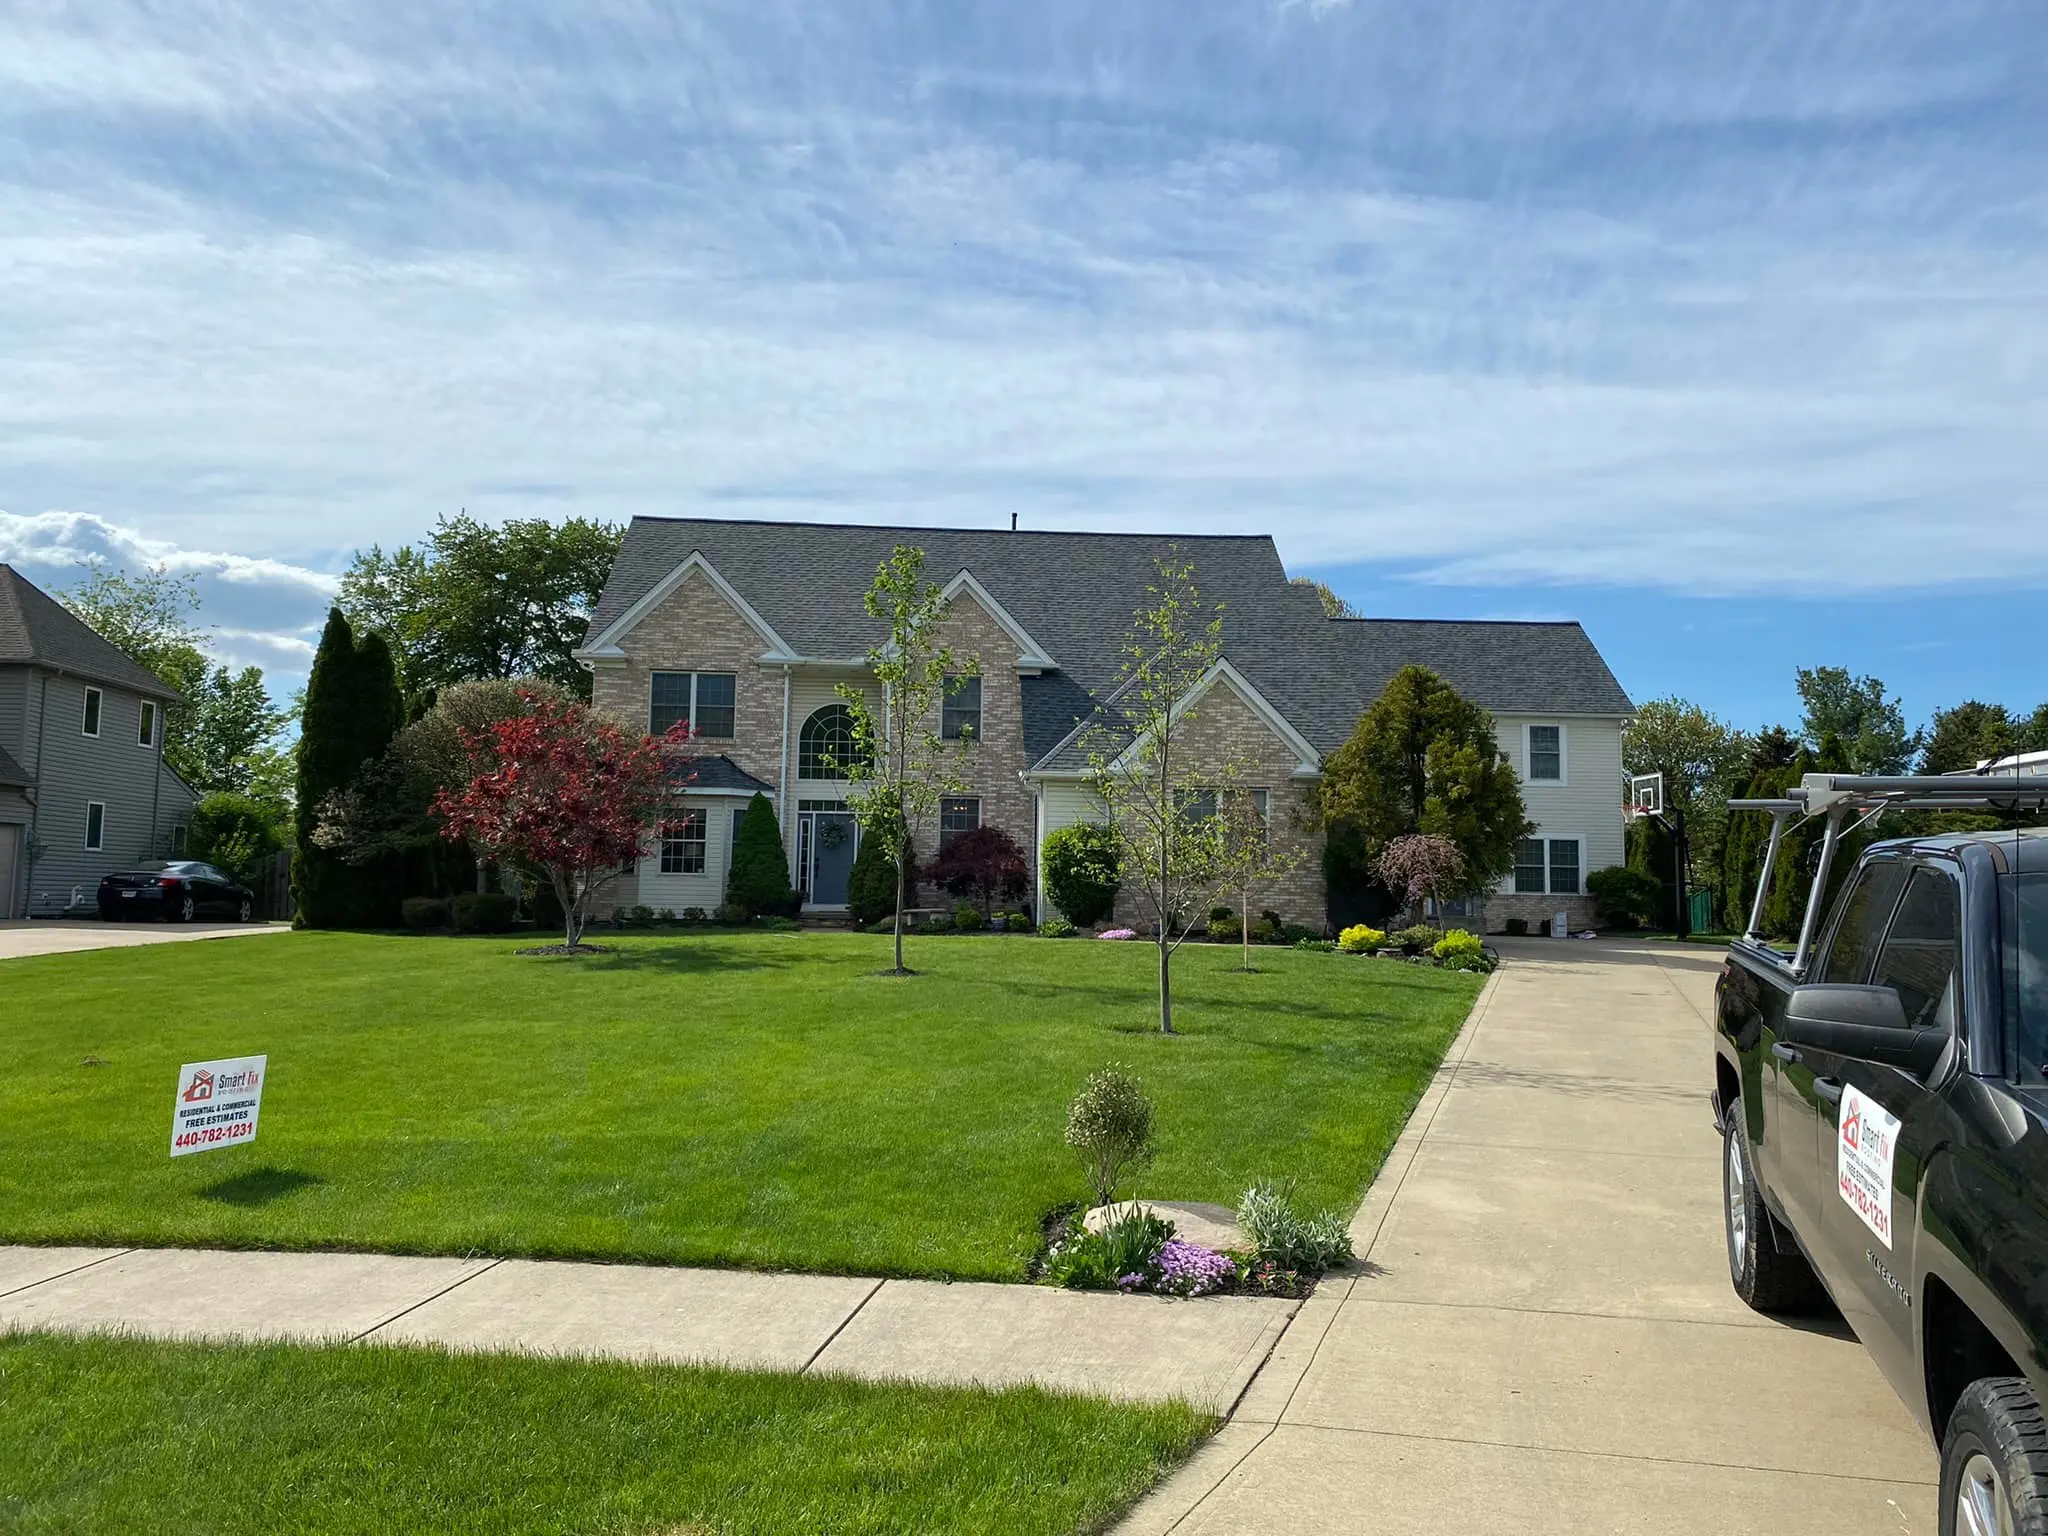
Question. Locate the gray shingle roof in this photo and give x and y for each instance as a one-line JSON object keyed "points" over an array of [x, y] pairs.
{"points": [[12, 774], [1075, 594], [37, 629], [721, 772]]}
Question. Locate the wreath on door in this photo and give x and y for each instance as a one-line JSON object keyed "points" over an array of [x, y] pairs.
{"points": [[832, 835]]}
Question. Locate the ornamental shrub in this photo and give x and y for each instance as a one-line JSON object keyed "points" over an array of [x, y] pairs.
{"points": [[1082, 874], [1294, 933], [1360, 939], [1018, 922], [1222, 914], [759, 881], [871, 886], [732, 914], [483, 912], [968, 919], [1625, 897], [1286, 1238], [425, 914], [1457, 944], [1413, 941], [984, 863], [1225, 929], [1056, 928], [1110, 1125], [1316, 946]]}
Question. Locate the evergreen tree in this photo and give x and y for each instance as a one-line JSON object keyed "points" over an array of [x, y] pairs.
{"points": [[871, 887], [352, 711], [759, 880]]}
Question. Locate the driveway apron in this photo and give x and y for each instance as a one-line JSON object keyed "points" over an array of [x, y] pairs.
{"points": [[1540, 1336]]}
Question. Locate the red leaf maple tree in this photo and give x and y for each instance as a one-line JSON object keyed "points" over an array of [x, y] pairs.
{"points": [[568, 791]]}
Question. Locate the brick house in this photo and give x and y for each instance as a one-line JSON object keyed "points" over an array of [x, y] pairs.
{"points": [[747, 629]]}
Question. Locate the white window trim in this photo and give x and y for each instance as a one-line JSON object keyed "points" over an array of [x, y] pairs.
{"points": [[1509, 888], [101, 845], [1564, 760], [147, 712], [85, 712]]}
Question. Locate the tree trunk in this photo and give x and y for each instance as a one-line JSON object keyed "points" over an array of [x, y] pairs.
{"points": [[572, 909], [1245, 927], [1165, 983], [899, 913]]}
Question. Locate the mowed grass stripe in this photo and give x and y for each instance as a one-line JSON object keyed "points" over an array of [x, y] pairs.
{"points": [[112, 1434], [760, 1100]]}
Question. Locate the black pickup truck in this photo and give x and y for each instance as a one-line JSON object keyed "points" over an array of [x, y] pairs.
{"points": [[1882, 1093]]}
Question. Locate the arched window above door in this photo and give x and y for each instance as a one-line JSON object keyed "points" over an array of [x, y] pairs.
{"points": [[826, 745]]}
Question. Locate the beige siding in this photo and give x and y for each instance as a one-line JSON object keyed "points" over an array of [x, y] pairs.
{"points": [[1586, 805]]}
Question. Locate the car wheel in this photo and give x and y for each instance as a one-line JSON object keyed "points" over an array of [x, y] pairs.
{"points": [[246, 911], [185, 909], [1994, 1462], [1769, 1279]]}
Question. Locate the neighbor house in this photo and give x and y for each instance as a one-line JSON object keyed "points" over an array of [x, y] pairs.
{"points": [[747, 630], [84, 789]]}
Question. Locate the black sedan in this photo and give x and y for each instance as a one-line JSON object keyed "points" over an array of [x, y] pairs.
{"points": [[177, 892]]}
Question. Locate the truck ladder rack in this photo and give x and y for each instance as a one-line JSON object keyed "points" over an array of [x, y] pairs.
{"points": [[1840, 796]]}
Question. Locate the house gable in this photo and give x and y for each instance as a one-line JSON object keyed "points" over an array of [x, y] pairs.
{"points": [[605, 646], [1031, 656]]}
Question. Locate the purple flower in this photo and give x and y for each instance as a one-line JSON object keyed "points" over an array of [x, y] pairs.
{"points": [[1118, 933], [1189, 1269], [1130, 1282]]}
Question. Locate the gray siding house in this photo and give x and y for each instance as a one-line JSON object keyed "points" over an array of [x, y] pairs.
{"points": [[84, 789]]}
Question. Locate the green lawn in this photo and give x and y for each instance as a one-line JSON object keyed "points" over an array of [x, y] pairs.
{"points": [[765, 1100], [110, 1434]]}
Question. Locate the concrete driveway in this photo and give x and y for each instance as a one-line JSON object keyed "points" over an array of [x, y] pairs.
{"points": [[1544, 1339], [64, 936]]}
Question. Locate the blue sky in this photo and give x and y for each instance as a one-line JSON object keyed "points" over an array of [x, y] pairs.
{"points": [[1722, 326]]}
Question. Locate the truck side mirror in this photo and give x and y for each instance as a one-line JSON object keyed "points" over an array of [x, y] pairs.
{"points": [[1864, 1023]]}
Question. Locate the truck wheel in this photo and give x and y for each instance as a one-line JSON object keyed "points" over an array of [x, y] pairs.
{"points": [[1994, 1462], [1767, 1279]]}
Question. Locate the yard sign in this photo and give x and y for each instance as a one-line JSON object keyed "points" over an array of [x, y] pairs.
{"points": [[217, 1103]]}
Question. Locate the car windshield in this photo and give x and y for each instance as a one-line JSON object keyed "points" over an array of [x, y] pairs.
{"points": [[2026, 978]]}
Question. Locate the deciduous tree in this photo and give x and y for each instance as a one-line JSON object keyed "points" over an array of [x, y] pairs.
{"points": [[566, 792], [1858, 713], [476, 600], [902, 765], [982, 862], [1421, 867]]}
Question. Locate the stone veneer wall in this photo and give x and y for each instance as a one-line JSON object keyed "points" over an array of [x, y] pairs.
{"points": [[1538, 910], [1225, 729]]}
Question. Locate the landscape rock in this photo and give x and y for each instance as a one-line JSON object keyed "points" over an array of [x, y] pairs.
{"points": [[1212, 1226]]}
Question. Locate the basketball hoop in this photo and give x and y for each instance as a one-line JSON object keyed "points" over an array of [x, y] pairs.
{"points": [[1645, 796]]}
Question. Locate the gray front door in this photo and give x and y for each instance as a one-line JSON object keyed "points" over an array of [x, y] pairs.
{"points": [[832, 840]]}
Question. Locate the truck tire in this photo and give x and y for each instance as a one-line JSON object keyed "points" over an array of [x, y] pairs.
{"points": [[1767, 1278], [1994, 1462]]}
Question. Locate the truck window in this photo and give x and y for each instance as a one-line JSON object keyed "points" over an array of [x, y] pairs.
{"points": [[1919, 957], [1864, 913], [2026, 969]]}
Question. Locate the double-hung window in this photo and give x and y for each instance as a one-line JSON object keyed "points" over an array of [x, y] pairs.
{"points": [[704, 701], [957, 814], [961, 715], [682, 844], [1548, 866], [95, 826], [145, 734], [1546, 754], [95, 703]]}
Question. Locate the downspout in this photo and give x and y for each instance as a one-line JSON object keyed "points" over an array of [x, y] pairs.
{"points": [[1037, 846], [160, 728]]}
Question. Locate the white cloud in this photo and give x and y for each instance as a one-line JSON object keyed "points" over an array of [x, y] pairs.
{"points": [[1714, 312]]}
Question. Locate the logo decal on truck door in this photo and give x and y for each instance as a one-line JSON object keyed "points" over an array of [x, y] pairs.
{"points": [[1868, 1142]]}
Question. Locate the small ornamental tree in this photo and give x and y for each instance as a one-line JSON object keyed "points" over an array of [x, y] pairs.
{"points": [[1082, 874], [1110, 1125], [872, 884], [759, 880], [1246, 854], [901, 764], [1422, 868], [985, 863], [568, 792]]}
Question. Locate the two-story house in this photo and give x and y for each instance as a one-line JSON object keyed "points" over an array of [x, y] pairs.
{"points": [[747, 630], [84, 789]]}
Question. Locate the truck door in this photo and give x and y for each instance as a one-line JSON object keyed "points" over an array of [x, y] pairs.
{"points": [[1802, 1169], [1878, 1126]]}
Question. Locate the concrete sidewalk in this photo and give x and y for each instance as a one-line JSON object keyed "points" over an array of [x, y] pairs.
{"points": [[1543, 1338], [1130, 1347], [21, 937]]}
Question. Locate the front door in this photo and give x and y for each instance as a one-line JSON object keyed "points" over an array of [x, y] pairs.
{"points": [[1878, 1125], [833, 836]]}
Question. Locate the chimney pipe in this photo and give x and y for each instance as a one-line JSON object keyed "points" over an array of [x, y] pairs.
{"points": [[1013, 522]]}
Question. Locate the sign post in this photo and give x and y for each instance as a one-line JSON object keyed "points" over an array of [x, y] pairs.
{"points": [[217, 1103]]}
